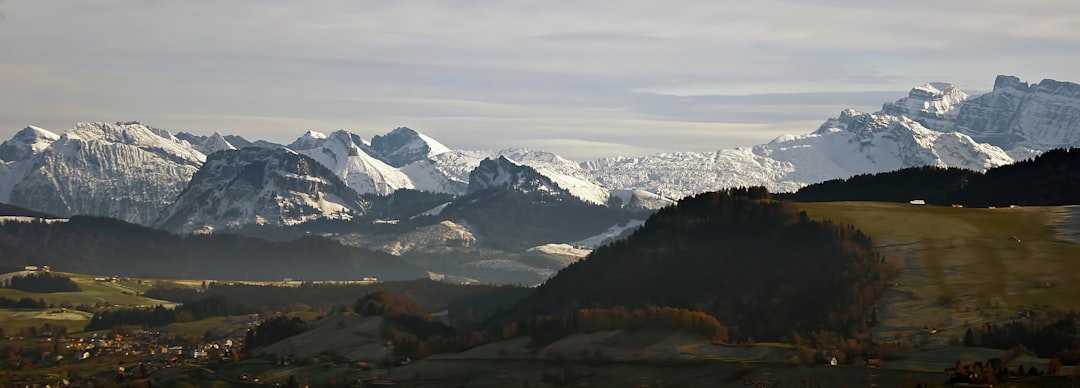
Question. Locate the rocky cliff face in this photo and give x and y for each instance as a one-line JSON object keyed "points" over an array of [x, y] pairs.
{"points": [[1023, 119], [933, 105], [128, 171], [260, 186]]}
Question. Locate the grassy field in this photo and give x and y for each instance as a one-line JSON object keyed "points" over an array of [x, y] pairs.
{"points": [[962, 266], [91, 292]]}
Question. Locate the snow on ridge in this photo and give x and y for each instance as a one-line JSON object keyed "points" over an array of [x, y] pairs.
{"points": [[612, 233], [28, 219], [561, 250]]}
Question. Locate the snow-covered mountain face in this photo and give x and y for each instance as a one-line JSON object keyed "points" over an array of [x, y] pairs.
{"points": [[26, 143], [128, 171], [933, 105], [858, 143], [344, 153], [214, 143], [260, 186], [1023, 119]]}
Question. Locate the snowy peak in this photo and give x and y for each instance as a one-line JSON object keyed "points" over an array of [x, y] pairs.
{"points": [[346, 156], [308, 140], [404, 145], [932, 104], [260, 186], [29, 141], [502, 173], [214, 143], [126, 170]]}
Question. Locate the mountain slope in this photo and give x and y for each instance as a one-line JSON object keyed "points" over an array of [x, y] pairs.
{"points": [[344, 154], [258, 186], [402, 146]]}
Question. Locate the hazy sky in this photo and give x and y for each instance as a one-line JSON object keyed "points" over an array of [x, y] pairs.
{"points": [[584, 78]]}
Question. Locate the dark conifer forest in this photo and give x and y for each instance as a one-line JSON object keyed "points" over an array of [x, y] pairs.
{"points": [[761, 267], [1052, 178]]}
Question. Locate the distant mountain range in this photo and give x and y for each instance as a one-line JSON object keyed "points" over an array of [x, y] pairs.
{"points": [[142, 174], [514, 215]]}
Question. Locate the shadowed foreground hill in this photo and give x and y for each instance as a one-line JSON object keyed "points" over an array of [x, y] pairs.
{"points": [[106, 246], [761, 267]]}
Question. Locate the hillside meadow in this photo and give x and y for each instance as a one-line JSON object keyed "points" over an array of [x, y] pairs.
{"points": [[962, 266]]}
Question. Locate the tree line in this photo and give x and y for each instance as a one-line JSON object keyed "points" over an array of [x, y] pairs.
{"points": [[42, 282], [1052, 178], [158, 316]]}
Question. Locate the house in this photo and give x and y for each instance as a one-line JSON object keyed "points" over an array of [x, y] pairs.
{"points": [[918, 202], [30, 268]]}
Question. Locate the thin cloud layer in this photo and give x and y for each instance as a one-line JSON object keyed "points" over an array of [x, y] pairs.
{"points": [[587, 79]]}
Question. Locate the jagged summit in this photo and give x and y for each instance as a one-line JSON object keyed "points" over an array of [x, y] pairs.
{"points": [[932, 104]]}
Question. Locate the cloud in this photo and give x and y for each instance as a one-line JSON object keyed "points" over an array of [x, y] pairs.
{"points": [[590, 76]]}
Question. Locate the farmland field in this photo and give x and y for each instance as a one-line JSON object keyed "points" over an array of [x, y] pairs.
{"points": [[960, 266]]}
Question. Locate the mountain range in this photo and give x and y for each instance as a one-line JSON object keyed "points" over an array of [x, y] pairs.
{"points": [[146, 175]]}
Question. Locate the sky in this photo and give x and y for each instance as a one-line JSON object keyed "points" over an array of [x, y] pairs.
{"points": [[584, 79]]}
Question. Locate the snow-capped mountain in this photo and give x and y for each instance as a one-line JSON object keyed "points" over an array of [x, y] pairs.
{"points": [[27, 142], [344, 153], [502, 173], [214, 143], [260, 186], [133, 171], [1023, 119], [403, 146], [935, 125], [407, 159], [933, 105], [127, 170], [857, 143], [17, 156]]}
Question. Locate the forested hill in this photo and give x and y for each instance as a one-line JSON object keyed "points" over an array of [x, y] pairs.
{"points": [[106, 246], [1052, 178], [759, 266]]}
